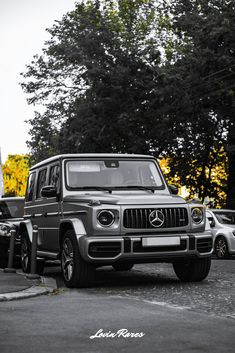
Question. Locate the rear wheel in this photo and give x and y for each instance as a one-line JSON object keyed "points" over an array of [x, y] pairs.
{"points": [[192, 270], [76, 272], [122, 267], [221, 248], [3, 255], [25, 253], [40, 267]]}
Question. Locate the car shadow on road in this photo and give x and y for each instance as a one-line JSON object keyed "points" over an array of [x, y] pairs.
{"points": [[107, 277]]}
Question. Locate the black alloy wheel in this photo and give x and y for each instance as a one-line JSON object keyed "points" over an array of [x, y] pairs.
{"points": [[76, 272], [25, 253]]}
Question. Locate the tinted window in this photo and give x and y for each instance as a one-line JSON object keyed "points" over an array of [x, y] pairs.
{"points": [[41, 181], [112, 173], [30, 187], [225, 217], [54, 177], [11, 209]]}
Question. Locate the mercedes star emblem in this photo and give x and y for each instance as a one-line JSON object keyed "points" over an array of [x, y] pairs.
{"points": [[156, 218]]}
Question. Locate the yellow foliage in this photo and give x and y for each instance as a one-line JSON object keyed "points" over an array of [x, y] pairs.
{"points": [[216, 173], [15, 173]]}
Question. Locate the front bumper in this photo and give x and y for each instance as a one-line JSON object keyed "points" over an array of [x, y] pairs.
{"points": [[110, 249]]}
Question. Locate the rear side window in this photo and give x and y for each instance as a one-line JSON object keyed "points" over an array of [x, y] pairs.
{"points": [[54, 177], [41, 182], [30, 187]]}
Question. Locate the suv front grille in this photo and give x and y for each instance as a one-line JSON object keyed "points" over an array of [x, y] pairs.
{"points": [[139, 217]]}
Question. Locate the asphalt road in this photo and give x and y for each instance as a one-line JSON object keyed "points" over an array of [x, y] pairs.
{"points": [[149, 301]]}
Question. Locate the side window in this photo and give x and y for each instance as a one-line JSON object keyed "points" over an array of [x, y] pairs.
{"points": [[54, 177], [41, 182], [30, 187]]}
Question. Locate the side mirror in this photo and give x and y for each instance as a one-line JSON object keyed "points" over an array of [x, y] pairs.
{"points": [[174, 189], [49, 191], [211, 221]]}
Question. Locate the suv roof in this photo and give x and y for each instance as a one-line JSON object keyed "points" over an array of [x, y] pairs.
{"points": [[90, 155]]}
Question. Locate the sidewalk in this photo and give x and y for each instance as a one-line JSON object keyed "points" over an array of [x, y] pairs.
{"points": [[15, 286]]}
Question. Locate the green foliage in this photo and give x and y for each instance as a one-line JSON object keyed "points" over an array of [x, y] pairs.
{"points": [[96, 77], [140, 76], [207, 69]]}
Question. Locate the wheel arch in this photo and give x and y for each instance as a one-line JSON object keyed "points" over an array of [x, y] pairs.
{"points": [[28, 228], [71, 224]]}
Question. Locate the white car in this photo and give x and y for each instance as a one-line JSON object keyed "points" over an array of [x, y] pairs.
{"points": [[222, 224]]}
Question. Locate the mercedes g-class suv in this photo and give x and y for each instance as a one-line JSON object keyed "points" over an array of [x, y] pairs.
{"points": [[93, 210]]}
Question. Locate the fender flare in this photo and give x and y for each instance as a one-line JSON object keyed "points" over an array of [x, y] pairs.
{"points": [[28, 227], [72, 223]]}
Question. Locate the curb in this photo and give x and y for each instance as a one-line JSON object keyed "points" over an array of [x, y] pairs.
{"points": [[48, 285]]}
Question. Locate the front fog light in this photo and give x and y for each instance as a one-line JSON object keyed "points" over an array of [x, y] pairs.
{"points": [[106, 218], [197, 215]]}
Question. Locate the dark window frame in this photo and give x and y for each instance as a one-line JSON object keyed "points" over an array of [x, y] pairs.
{"points": [[30, 184], [38, 192]]}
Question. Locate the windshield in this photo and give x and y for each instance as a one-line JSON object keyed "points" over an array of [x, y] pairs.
{"points": [[113, 174], [11, 209], [225, 217]]}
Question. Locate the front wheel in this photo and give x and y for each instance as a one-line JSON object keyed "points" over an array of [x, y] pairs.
{"points": [[221, 248], [192, 270], [75, 271]]}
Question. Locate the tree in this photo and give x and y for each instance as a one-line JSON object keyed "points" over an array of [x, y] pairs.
{"points": [[207, 27], [96, 77], [15, 174], [132, 76]]}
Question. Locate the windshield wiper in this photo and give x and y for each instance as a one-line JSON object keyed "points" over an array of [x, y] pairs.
{"points": [[98, 188], [139, 187]]}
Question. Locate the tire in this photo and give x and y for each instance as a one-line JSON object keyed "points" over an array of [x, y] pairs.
{"points": [[192, 270], [75, 271], [25, 253], [40, 267], [3, 256], [25, 256], [221, 248], [122, 267]]}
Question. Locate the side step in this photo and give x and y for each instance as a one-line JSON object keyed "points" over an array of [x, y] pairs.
{"points": [[47, 254]]}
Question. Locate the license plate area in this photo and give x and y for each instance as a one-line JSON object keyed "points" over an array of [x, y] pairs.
{"points": [[160, 241]]}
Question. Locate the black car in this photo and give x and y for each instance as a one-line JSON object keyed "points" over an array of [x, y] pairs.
{"points": [[11, 214]]}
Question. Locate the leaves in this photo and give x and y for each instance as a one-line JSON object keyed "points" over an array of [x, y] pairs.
{"points": [[15, 174]]}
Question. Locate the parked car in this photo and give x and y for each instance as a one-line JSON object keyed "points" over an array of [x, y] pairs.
{"points": [[222, 223], [11, 214], [93, 210]]}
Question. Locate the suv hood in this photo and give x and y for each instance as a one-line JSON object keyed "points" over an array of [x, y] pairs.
{"points": [[126, 199]]}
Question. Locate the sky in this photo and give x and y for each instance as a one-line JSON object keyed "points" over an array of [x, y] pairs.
{"points": [[22, 35]]}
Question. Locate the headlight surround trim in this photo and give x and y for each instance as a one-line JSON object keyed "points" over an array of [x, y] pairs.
{"points": [[110, 213], [197, 215]]}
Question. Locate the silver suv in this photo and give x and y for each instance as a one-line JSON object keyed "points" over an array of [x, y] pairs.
{"points": [[111, 209]]}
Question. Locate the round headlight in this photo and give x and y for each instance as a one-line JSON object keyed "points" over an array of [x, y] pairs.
{"points": [[106, 218], [197, 215]]}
